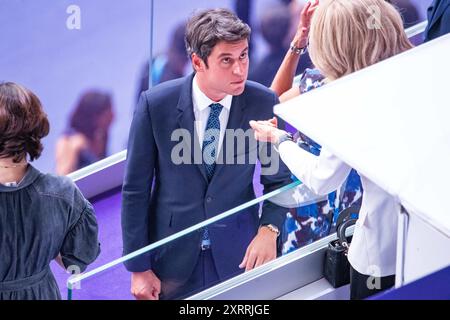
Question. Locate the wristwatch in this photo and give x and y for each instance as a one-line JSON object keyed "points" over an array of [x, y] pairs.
{"points": [[296, 50], [285, 137], [272, 228]]}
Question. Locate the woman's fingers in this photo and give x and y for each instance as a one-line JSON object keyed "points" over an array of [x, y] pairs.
{"points": [[306, 8], [313, 7]]}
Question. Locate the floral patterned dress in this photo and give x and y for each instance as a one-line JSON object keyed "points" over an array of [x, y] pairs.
{"points": [[309, 223]]}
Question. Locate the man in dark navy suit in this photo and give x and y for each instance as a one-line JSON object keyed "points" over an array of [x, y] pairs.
{"points": [[172, 122], [438, 19]]}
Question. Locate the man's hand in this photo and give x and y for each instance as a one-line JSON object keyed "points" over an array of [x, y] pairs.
{"points": [[145, 285], [262, 249]]}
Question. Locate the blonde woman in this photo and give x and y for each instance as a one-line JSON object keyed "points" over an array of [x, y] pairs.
{"points": [[316, 219], [340, 42]]}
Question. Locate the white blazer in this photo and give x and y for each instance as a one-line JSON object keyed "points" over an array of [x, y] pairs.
{"points": [[373, 247]]}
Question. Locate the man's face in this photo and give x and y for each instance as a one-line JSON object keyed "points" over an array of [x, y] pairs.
{"points": [[227, 70]]}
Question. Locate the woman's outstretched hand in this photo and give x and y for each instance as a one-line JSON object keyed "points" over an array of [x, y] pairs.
{"points": [[267, 131]]}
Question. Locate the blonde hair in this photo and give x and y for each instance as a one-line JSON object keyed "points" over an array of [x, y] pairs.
{"points": [[349, 35]]}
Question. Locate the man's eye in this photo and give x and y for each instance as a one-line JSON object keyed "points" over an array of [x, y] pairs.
{"points": [[244, 55], [226, 60]]}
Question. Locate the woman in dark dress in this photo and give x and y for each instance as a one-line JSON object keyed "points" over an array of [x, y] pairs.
{"points": [[42, 217], [86, 139]]}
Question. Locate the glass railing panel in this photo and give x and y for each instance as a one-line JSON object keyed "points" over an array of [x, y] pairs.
{"points": [[307, 219], [111, 280]]}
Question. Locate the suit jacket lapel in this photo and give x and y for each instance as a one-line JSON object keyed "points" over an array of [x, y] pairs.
{"points": [[186, 120]]}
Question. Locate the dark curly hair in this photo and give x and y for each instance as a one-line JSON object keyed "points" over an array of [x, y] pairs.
{"points": [[23, 123]]}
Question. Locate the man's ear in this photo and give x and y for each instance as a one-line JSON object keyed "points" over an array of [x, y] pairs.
{"points": [[198, 63]]}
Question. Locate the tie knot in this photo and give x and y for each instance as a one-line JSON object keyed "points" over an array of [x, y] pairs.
{"points": [[216, 108]]}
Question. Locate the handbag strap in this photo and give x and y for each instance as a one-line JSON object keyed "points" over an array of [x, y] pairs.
{"points": [[346, 213], [344, 221], [341, 232]]}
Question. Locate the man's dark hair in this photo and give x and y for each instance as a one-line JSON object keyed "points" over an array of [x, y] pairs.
{"points": [[23, 123], [205, 29]]}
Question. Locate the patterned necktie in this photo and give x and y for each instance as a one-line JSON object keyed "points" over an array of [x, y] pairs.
{"points": [[211, 139], [209, 152]]}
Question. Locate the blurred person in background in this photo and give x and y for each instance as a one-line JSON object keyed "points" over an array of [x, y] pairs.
{"points": [[275, 28], [168, 66], [86, 139], [408, 11], [438, 19], [244, 10]]}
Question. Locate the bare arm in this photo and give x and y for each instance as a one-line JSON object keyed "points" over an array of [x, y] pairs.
{"points": [[291, 93], [67, 153], [321, 174], [285, 75]]}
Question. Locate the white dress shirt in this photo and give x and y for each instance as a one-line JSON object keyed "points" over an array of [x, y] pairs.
{"points": [[201, 112], [373, 247]]}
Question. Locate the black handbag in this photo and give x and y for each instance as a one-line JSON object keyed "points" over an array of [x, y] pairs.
{"points": [[336, 265]]}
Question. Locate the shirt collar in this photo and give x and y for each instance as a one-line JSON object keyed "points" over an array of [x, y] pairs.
{"points": [[201, 101], [30, 176]]}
